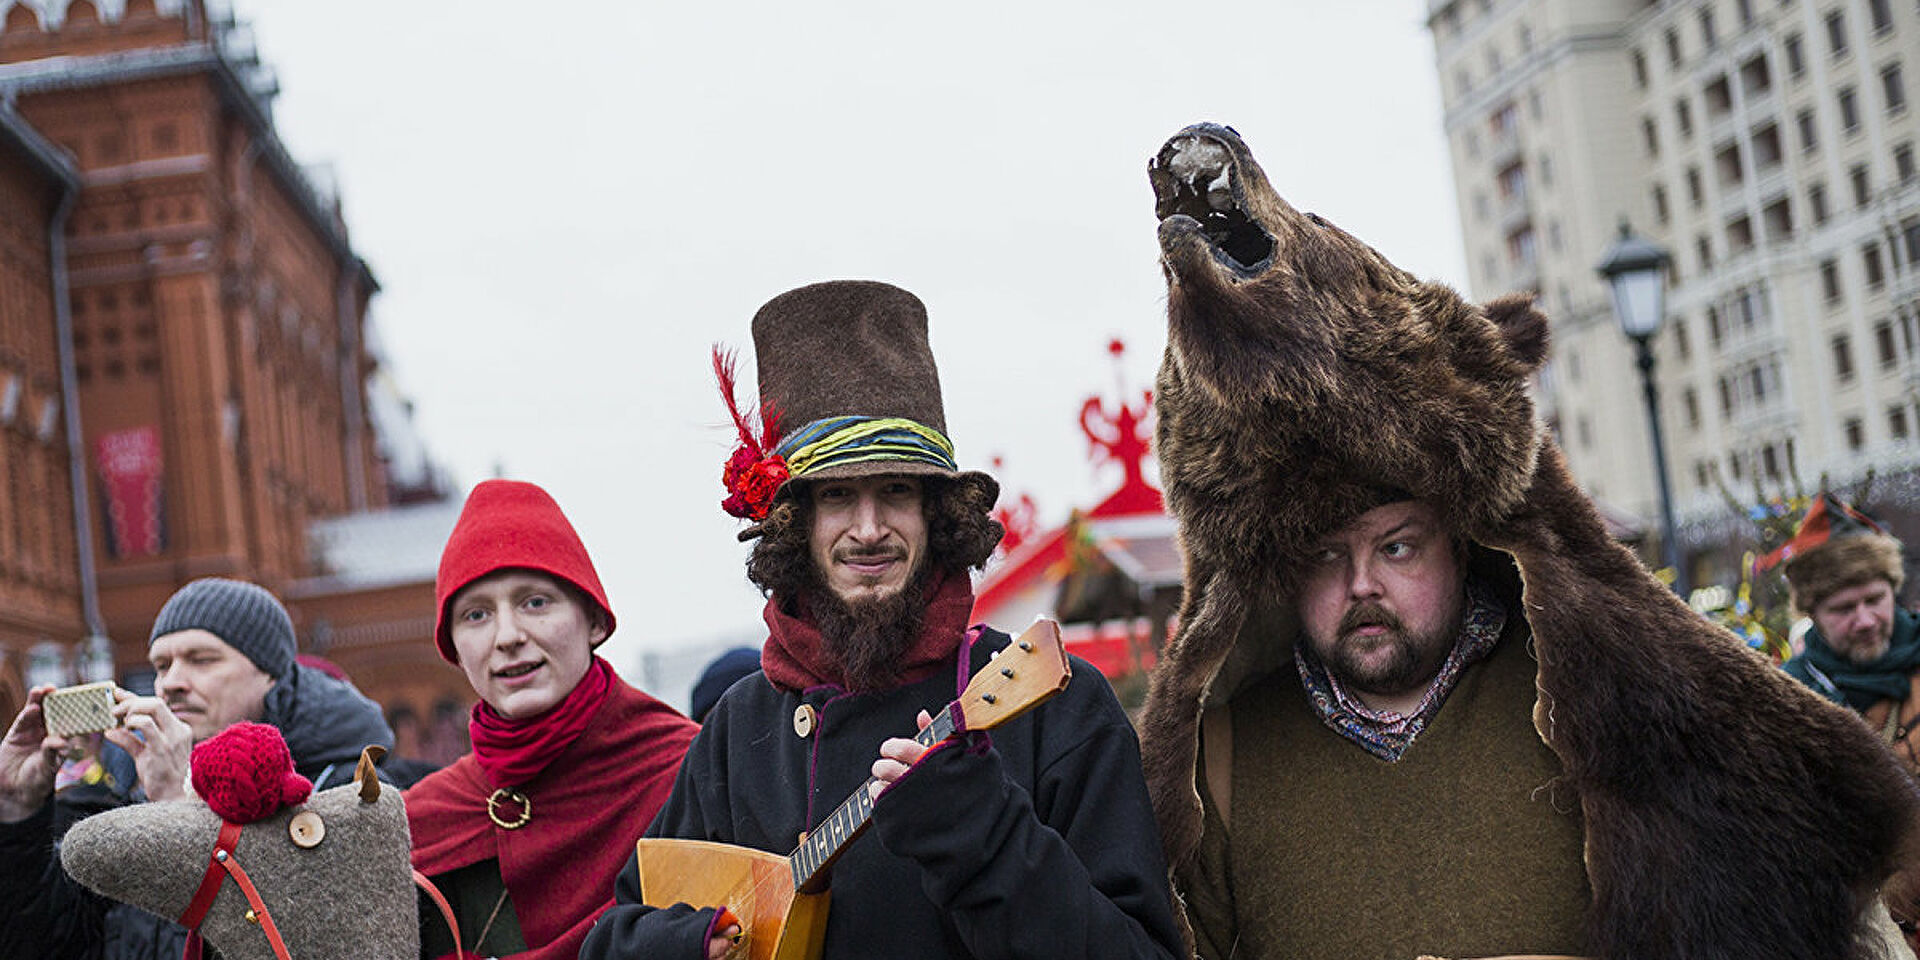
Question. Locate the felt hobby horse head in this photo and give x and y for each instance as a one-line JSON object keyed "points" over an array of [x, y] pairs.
{"points": [[1729, 812], [262, 867]]}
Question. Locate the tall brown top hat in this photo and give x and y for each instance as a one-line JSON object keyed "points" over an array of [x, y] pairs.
{"points": [[848, 388], [1836, 547]]}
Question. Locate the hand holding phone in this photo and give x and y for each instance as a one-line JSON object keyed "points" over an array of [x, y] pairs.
{"points": [[87, 708]]}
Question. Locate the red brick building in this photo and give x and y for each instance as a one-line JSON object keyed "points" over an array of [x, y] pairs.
{"points": [[41, 606], [218, 333]]}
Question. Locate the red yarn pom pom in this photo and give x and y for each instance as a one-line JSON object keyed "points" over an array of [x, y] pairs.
{"points": [[245, 773]]}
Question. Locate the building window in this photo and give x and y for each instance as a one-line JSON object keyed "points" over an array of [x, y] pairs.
{"points": [[1680, 346], [1707, 37], [1690, 401], [1897, 422], [1817, 202], [1856, 434], [1703, 248], [1683, 116], [1726, 165], [1738, 237], [1870, 259], [1719, 96], [1903, 163], [1513, 183], [1673, 47], [1849, 111], [1745, 8], [1695, 195], [1911, 229], [1882, 13], [1755, 76], [1520, 247], [1884, 346], [1766, 147], [1862, 187], [1842, 357], [1650, 134], [1640, 69], [1714, 330], [1796, 63], [1837, 34], [1891, 87], [1660, 214], [1830, 280], [1504, 122], [1779, 220], [1809, 134], [1726, 405], [1770, 459]]}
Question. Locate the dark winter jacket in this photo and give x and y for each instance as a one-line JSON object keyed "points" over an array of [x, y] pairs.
{"points": [[46, 915], [1033, 840]]}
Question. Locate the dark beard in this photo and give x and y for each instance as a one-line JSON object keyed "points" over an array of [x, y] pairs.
{"points": [[869, 638], [1415, 660]]}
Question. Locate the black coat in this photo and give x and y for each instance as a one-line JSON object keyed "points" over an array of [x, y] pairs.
{"points": [[1034, 840], [46, 915]]}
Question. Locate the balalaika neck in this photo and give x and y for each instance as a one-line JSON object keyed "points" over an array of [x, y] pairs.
{"points": [[811, 859]]}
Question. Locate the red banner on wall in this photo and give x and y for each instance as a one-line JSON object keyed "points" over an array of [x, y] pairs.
{"points": [[130, 474]]}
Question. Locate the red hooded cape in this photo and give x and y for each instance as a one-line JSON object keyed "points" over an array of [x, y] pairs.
{"points": [[589, 806]]}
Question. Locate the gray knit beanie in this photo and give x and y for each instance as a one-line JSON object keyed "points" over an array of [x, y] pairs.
{"points": [[246, 616]]}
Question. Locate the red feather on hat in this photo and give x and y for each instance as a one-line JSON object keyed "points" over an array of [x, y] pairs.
{"points": [[753, 474]]}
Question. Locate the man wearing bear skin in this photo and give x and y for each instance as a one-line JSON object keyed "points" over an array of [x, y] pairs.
{"points": [[1419, 702], [1025, 842]]}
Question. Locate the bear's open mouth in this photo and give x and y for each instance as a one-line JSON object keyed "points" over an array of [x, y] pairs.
{"points": [[1194, 177]]}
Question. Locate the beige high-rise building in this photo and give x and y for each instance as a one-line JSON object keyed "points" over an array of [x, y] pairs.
{"points": [[1769, 145]]}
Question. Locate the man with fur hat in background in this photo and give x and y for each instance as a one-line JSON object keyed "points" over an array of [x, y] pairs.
{"points": [[1863, 650], [223, 652], [1034, 841]]}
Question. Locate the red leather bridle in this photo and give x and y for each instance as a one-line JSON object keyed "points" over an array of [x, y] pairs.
{"points": [[222, 864]]}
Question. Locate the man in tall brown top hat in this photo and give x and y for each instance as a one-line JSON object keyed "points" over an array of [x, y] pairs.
{"points": [[1035, 841]]}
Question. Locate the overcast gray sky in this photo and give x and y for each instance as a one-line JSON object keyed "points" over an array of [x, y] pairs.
{"points": [[567, 203]]}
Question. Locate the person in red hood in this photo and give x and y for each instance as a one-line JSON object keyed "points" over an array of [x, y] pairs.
{"points": [[518, 834]]}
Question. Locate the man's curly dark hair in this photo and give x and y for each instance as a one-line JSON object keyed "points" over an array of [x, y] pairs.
{"points": [[961, 532]]}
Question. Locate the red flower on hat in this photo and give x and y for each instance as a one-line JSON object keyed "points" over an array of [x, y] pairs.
{"points": [[751, 481], [754, 474]]}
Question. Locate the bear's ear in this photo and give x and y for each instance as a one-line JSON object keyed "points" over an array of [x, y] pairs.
{"points": [[1524, 327]]}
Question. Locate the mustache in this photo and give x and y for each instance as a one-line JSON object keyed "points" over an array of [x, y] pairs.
{"points": [[1368, 614]]}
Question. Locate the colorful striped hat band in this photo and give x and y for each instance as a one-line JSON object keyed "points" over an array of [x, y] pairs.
{"points": [[836, 441]]}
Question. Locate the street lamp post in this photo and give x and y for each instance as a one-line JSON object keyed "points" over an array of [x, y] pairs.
{"points": [[1636, 271]]}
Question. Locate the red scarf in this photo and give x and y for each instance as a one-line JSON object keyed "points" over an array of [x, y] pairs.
{"points": [[515, 751], [796, 656], [559, 867]]}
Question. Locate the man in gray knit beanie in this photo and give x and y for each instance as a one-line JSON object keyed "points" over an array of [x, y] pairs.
{"points": [[223, 652], [245, 616]]}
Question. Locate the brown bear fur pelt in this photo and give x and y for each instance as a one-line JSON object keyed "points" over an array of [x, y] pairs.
{"points": [[1729, 812]]}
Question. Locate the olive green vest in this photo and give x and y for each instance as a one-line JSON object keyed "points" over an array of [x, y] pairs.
{"points": [[1465, 847]]}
